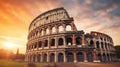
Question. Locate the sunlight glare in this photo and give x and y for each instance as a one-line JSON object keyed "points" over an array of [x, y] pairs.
{"points": [[10, 45]]}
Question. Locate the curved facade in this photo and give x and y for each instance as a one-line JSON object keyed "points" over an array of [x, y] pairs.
{"points": [[53, 37]]}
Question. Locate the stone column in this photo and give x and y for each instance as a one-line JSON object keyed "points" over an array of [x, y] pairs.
{"points": [[64, 41], [75, 58], [41, 57], [56, 57], [102, 57], [85, 56], [37, 46], [64, 26], [73, 40], [48, 42], [95, 57], [43, 44], [94, 43], [50, 30], [83, 41], [36, 58], [48, 57], [56, 42], [56, 27], [65, 59], [104, 46]]}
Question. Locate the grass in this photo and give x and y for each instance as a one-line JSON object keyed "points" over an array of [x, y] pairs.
{"points": [[9, 63]]}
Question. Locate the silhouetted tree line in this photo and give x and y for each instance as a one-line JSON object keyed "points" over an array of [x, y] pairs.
{"points": [[5, 54], [117, 48]]}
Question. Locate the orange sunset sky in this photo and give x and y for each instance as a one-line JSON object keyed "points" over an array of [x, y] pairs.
{"points": [[89, 15]]}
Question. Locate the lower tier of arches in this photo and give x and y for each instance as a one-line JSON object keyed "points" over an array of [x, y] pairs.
{"points": [[70, 56]]}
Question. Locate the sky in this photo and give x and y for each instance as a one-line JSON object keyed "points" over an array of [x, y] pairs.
{"points": [[89, 15]]}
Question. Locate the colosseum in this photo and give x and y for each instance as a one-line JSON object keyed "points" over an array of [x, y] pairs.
{"points": [[53, 37]]}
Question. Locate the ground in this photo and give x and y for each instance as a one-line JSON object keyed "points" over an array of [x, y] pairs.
{"points": [[8, 63]]}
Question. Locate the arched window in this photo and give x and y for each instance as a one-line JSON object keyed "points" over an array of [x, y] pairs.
{"points": [[97, 44], [106, 46], [40, 44], [38, 58], [35, 45], [91, 43], [44, 57], [70, 57], [52, 42], [68, 28], [80, 57], [89, 57], [52, 57], [60, 57], [46, 43], [102, 45], [78, 41], [61, 28], [69, 41], [42, 33], [47, 31], [34, 58], [60, 41], [53, 30]]}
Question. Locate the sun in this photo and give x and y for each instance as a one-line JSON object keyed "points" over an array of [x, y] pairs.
{"points": [[9, 45]]}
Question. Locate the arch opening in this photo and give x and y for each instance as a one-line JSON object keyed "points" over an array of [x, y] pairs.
{"points": [[60, 41], [69, 41], [52, 57], [60, 57], [70, 57], [80, 57]]}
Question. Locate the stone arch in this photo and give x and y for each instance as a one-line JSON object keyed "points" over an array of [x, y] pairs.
{"points": [[46, 43], [38, 58], [105, 45], [52, 43], [90, 57], [44, 57], [68, 28], [78, 41], [37, 33], [35, 45], [80, 57], [30, 58], [98, 45], [91, 43], [42, 32], [104, 57], [54, 30], [39, 44], [52, 57], [34, 58], [70, 57], [47, 31], [99, 57], [60, 41], [69, 40], [61, 29], [60, 57]]}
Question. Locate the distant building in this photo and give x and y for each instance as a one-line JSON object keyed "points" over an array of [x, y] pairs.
{"points": [[53, 37]]}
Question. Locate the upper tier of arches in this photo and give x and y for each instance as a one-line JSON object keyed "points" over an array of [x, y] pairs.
{"points": [[49, 17]]}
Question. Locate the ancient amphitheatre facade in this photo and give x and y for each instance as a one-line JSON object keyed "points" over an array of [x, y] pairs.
{"points": [[53, 37]]}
